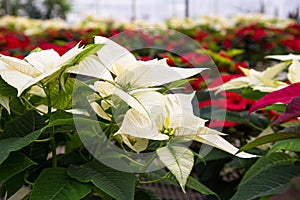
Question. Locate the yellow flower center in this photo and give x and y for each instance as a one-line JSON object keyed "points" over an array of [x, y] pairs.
{"points": [[165, 129]]}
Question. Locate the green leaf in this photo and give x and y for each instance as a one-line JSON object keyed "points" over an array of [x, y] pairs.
{"points": [[214, 153], [270, 181], [289, 145], [268, 161], [196, 185], [234, 52], [170, 180], [21, 126], [269, 138], [24, 125], [117, 184], [73, 143], [276, 107], [14, 164], [55, 184], [176, 84], [13, 184], [7, 90], [249, 93], [179, 160], [62, 98], [16, 143], [240, 117], [62, 121], [145, 194], [88, 50]]}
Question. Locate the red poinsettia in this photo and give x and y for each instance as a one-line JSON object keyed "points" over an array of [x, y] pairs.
{"points": [[289, 95]]}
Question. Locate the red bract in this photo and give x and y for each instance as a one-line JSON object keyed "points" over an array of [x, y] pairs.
{"points": [[235, 101], [200, 35], [218, 123], [169, 59], [194, 59], [255, 32], [238, 65], [223, 79], [145, 58], [284, 95], [16, 41], [292, 44], [227, 43], [232, 101], [60, 49], [200, 81]]}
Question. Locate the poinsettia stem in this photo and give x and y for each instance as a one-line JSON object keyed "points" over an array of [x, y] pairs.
{"points": [[156, 180], [53, 147], [52, 133]]}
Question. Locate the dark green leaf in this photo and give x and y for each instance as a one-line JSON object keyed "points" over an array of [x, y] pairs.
{"points": [[73, 143], [249, 93], [269, 138], [196, 185], [143, 194], [21, 126], [117, 184], [214, 153], [55, 184], [13, 184], [16, 143], [171, 180], [270, 181], [7, 90], [289, 145], [268, 161], [37, 151], [14, 164]]}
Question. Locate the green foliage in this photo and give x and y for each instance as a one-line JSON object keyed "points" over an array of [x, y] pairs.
{"points": [[269, 138], [54, 183], [14, 164], [288, 145], [265, 162], [117, 184], [269, 181], [9, 145]]}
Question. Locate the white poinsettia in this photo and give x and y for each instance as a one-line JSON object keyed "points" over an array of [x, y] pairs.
{"points": [[37, 66], [294, 71], [284, 57], [174, 118], [132, 77], [294, 67], [264, 81]]}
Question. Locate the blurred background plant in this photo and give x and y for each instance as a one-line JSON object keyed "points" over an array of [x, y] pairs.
{"points": [[45, 9]]}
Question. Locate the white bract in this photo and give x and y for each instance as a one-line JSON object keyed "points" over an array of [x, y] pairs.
{"points": [[133, 77], [174, 118], [293, 69], [36, 67], [264, 81]]}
